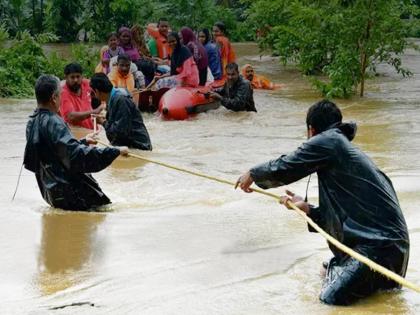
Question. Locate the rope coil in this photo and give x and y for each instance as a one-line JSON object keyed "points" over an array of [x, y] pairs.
{"points": [[370, 263]]}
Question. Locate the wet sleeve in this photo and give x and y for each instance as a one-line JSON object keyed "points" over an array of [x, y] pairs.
{"points": [[312, 156], [239, 101], [118, 125], [75, 156]]}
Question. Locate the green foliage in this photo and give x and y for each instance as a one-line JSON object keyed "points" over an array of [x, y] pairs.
{"points": [[86, 56], [96, 18], [339, 40], [23, 61]]}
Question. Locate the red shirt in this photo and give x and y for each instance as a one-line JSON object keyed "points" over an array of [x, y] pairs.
{"points": [[71, 102]]}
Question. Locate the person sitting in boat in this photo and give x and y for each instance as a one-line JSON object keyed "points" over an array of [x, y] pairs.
{"points": [[121, 76], [213, 54], [357, 204], [145, 63], [160, 32], [112, 51], [236, 94], [76, 103], [184, 71], [257, 81], [198, 51], [124, 123], [227, 53], [125, 38], [60, 162]]}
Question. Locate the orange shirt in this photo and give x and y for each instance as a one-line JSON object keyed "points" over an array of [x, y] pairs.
{"points": [[164, 50], [227, 54], [258, 81], [119, 81], [71, 102]]}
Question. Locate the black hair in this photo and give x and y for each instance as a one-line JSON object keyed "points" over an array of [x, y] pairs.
{"points": [[232, 66], [323, 115], [162, 19], [176, 36], [221, 26], [100, 82], [112, 34], [206, 33], [45, 87], [123, 57], [73, 67]]}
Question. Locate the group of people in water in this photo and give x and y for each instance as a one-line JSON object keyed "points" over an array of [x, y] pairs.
{"points": [[357, 202]]}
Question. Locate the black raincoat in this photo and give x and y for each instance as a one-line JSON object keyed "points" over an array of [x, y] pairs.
{"points": [[238, 97], [124, 124], [60, 163], [357, 205]]}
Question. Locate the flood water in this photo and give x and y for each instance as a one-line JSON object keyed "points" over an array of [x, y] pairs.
{"points": [[172, 243]]}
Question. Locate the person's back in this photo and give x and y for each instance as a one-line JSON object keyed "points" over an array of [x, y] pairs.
{"points": [[124, 124], [214, 60], [358, 205], [349, 173]]}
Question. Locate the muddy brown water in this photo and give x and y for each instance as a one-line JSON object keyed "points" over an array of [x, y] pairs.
{"points": [[175, 244]]}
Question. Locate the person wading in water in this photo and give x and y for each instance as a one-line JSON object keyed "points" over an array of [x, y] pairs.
{"points": [[357, 204], [60, 162]]}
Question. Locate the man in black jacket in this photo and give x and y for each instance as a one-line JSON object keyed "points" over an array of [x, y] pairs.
{"points": [[357, 204], [61, 162], [124, 123], [237, 93]]}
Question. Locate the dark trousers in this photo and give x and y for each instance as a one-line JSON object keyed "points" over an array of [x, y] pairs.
{"points": [[348, 280]]}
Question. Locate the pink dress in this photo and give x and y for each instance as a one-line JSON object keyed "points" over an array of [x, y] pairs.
{"points": [[187, 76]]}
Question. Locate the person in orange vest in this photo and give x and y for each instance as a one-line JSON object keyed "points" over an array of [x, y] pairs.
{"points": [[160, 34], [257, 81], [227, 54]]}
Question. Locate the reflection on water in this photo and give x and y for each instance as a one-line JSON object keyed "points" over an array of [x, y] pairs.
{"points": [[68, 249]]}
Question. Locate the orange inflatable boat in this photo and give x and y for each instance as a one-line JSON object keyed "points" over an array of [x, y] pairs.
{"points": [[183, 102]]}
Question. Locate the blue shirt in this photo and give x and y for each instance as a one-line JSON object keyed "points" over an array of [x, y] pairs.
{"points": [[215, 63]]}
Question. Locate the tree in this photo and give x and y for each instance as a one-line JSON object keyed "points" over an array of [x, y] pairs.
{"points": [[342, 40]]}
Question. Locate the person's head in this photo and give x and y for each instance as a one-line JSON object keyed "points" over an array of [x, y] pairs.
{"points": [[112, 40], [173, 40], [163, 26], [47, 92], [248, 72], [187, 35], [232, 73], [321, 116], [124, 36], [204, 36], [73, 73], [101, 86], [123, 64], [219, 29]]}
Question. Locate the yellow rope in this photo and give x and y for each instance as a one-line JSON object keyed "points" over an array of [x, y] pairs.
{"points": [[373, 265]]}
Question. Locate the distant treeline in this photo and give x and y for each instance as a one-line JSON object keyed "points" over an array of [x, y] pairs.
{"points": [[93, 19]]}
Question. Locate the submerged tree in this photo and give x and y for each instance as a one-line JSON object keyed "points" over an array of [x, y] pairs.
{"points": [[343, 40]]}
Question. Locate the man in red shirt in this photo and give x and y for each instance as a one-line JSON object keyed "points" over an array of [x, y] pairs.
{"points": [[76, 108]]}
